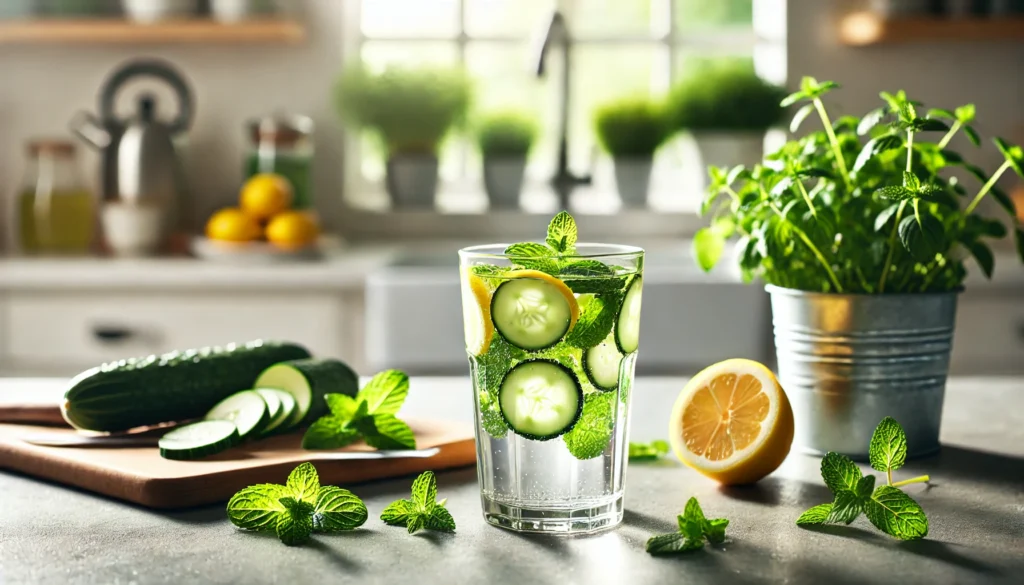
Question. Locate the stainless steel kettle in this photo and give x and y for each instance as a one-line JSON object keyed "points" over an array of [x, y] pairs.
{"points": [[140, 167]]}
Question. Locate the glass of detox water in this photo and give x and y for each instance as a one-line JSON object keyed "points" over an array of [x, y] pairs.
{"points": [[552, 341]]}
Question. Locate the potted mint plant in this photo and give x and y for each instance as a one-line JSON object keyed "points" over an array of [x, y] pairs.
{"points": [[863, 231], [505, 140], [727, 109], [411, 111], [631, 131]]}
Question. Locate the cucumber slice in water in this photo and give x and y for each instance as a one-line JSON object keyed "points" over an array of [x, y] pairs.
{"points": [[246, 409], [285, 407], [540, 399], [308, 381], [627, 327], [199, 440], [531, 313], [601, 363]]}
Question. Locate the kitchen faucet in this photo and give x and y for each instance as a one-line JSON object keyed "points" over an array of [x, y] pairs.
{"points": [[554, 33]]}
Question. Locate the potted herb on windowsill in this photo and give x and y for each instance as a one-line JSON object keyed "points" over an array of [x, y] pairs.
{"points": [[631, 130], [727, 109], [505, 140], [863, 232], [410, 111]]}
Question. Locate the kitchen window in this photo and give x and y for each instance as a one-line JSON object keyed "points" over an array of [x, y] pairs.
{"points": [[620, 48]]}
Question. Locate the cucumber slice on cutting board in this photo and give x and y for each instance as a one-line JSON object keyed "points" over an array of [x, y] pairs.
{"points": [[246, 409], [198, 440], [286, 403], [601, 363], [531, 313], [627, 326], [540, 399], [308, 381]]}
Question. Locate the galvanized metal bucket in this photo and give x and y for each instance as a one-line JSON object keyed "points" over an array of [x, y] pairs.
{"points": [[847, 361]]}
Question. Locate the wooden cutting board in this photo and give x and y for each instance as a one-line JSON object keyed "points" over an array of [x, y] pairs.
{"points": [[141, 476]]}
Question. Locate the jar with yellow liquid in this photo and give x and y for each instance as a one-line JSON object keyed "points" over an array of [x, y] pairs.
{"points": [[56, 212]]}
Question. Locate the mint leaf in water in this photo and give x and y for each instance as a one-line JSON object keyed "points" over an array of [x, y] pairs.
{"points": [[533, 256], [423, 510], [694, 528], [647, 451], [490, 273], [888, 448], [370, 416], [295, 510], [591, 434], [597, 317], [490, 416], [562, 233], [385, 392]]}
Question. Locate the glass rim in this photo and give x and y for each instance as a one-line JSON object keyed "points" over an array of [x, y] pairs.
{"points": [[496, 251]]}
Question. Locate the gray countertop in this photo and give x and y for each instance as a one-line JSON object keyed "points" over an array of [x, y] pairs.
{"points": [[975, 505]]}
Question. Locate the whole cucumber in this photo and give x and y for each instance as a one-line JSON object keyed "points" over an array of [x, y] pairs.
{"points": [[175, 386]]}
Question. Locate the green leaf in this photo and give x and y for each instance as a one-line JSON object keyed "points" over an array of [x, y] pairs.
{"points": [[940, 113], [342, 406], [296, 507], [533, 255], [424, 491], [257, 507], [846, 507], [885, 215], [415, 522], [875, 146], [983, 226], [708, 247], [647, 451], [329, 432], [983, 254], [490, 273], [792, 98], [562, 233], [972, 135], [800, 116], [440, 520], [930, 125], [1004, 201], [304, 483], [385, 431], [338, 510], [385, 392], [888, 448], [896, 514], [397, 513], [923, 239], [294, 528], [691, 529], [816, 515], [693, 512], [965, 113], [669, 544], [593, 431], [490, 416], [865, 486], [714, 530], [870, 120], [839, 472], [911, 182], [597, 317], [587, 268], [1013, 155], [590, 276], [894, 193]]}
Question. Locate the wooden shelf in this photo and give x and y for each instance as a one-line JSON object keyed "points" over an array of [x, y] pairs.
{"points": [[107, 32], [867, 28]]}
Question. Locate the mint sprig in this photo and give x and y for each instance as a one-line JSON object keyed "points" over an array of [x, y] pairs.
{"points": [[297, 509], [422, 510], [592, 433], [889, 509], [647, 451], [370, 416], [694, 529]]}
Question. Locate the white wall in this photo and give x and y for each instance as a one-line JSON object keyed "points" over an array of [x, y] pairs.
{"points": [[41, 87]]}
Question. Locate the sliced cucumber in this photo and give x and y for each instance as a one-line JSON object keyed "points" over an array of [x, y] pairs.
{"points": [[540, 399], [627, 327], [273, 400], [531, 313], [308, 381], [284, 413], [601, 363], [199, 440], [246, 409]]}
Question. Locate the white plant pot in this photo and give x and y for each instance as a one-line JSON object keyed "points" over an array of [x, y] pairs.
{"points": [[728, 149], [151, 11], [503, 180], [240, 10], [633, 179], [412, 180]]}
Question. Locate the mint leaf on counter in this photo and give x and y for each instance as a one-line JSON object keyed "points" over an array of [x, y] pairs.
{"points": [[816, 515], [896, 514], [888, 449], [385, 431], [295, 510], [694, 528], [839, 472], [370, 416], [423, 510], [329, 432], [670, 544], [647, 451], [593, 431], [397, 513]]}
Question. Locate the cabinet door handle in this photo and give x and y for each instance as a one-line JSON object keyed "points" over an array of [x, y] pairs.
{"points": [[108, 333]]}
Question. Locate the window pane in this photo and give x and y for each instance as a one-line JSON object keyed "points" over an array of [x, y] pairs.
{"points": [[690, 63], [611, 17], [691, 14], [410, 18], [502, 18]]}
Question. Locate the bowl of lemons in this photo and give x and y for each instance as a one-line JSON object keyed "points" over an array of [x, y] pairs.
{"points": [[263, 227]]}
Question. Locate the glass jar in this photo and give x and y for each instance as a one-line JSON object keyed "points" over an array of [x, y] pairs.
{"points": [[56, 212], [283, 145]]}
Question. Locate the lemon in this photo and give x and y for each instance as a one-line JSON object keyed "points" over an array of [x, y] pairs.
{"points": [[476, 313], [232, 225], [265, 195], [732, 422], [292, 229]]}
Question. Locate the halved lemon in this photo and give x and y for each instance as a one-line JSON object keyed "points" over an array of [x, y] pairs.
{"points": [[574, 306], [476, 313], [732, 422]]}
